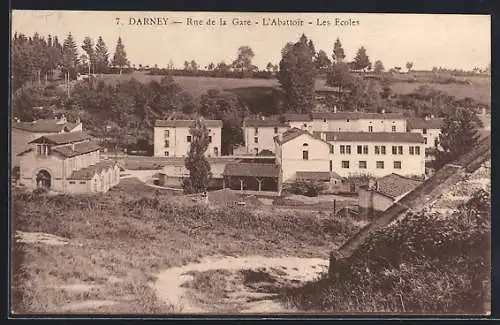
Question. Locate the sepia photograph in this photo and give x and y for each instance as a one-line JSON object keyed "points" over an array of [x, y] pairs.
{"points": [[249, 163]]}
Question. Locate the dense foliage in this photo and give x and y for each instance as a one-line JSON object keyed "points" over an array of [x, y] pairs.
{"points": [[423, 264], [307, 188], [196, 162]]}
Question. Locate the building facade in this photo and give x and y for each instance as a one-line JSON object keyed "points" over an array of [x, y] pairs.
{"points": [[358, 122], [172, 138], [259, 134], [430, 129], [68, 163]]}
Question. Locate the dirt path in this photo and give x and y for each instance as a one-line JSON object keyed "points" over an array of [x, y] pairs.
{"points": [[171, 283]]}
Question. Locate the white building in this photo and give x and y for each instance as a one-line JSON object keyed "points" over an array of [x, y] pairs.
{"points": [[376, 153], [259, 134], [358, 122], [172, 137], [430, 129], [68, 162], [349, 153]]}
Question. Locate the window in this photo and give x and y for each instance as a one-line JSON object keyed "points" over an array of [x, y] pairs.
{"points": [[167, 144], [411, 150], [377, 150], [382, 149], [209, 139], [72, 182], [324, 120], [365, 149], [397, 165], [342, 149], [348, 149], [331, 148], [347, 120], [275, 130], [216, 151], [42, 149], [360, 150], [393, 128], [166, 154], [83, 182], [400, 150], [188, 138], [417, 150], [425, 140], [380, 164], [331, 165], [256, 131], [424, 131], [166, 133], [305, 125], [362, 164], [256, 151], [305, 155], [394, 150], [370, 128], [345, 163], [256, 140], [305, 145]]}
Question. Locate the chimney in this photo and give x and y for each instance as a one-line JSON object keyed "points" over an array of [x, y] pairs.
{"points": [[335, 109]]}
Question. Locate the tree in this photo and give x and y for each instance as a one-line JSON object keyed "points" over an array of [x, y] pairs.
{"points": [[338, 52], [459, 134], [361, 60], [88, 47], [321, 61], [196, 162], [297, 76], [69, 60], [186, 65], [194, 65], [269, 67], [120, 56], [378, 67], [101, 56], [339, 76], [243, 62], [211, 66], [409, 66]]}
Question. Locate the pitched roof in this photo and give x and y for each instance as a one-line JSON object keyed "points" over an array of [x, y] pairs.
{"points": [[44, 126], [397, 137], [356, 116], [394, 185], [317, 176], [291, 117], [186, 123], [266, 122], [249, 170], [79, 149], [63, 138], [421, 123], [89, 172], [293, 133]]}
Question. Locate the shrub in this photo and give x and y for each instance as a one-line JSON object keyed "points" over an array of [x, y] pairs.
{"points": [[40, 191], [307, 188]]}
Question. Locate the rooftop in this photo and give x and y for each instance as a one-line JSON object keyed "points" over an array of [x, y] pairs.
{"points": [[265, 122], [293, 133], [186, 123], [356, 116], [89, 172], [251, 170], [394, 185], [44, 126], [63, 138], [422, 123], [79, 149], [396, 137]]}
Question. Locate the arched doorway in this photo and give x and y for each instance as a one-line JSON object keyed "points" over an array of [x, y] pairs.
{"points": [[43, 179]]}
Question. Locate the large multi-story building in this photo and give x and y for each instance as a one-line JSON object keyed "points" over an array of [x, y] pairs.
{"points": [[349, 153], [172, 137], [259, 134], [67, 162]]}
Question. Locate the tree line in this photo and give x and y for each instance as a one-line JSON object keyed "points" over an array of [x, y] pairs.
{"points": [[36, 59]]}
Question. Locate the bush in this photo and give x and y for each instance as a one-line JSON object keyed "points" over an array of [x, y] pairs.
{"points": [[307, 188], [40, 191]]}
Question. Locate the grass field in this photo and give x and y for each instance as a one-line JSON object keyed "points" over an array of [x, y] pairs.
{"points": [[479, 90], [119, 242]]}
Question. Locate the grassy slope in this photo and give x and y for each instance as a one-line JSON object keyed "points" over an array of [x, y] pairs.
{"points": [[478, 90], [135, 231]]}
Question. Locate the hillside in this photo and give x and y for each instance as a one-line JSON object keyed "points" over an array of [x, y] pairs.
{"points": [[479, 89]]}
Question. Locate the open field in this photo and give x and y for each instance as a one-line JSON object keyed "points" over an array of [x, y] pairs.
{"points": [[115, 245], [479, 90]]}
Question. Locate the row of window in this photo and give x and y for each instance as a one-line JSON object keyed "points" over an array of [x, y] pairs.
{"points": [[379, 150], [363, 164], [42, 149], [256, 131], [188, 139]]}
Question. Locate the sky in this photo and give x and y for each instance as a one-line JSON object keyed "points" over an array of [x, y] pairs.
{"points": [[451, 41]]}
